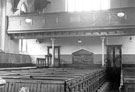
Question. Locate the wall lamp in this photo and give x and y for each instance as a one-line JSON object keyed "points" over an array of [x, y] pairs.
{"points": [[79, 41], [120, 14], [28, 20]]}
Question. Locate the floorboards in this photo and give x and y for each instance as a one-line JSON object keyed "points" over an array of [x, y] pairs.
{"points": [[113, 87]]}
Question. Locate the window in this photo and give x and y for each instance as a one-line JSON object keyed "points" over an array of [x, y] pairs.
{"points": [[23, 45], [86, 5]]}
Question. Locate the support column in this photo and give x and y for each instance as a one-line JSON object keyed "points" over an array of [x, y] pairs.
{"points": [[103, 50], [53, 40], [3, 28]]}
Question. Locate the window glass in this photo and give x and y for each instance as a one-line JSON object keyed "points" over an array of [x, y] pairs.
{"points": [[86, 5], [23, 45]]}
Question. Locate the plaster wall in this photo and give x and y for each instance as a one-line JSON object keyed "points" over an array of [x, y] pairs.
{"points": [[92, 44]]}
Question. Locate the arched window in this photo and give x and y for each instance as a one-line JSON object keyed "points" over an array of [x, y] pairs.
{"points": [[86, 5], [23, 8]]}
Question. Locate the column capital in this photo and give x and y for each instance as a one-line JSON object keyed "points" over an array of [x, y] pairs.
{"points": [[53, 39], [102, 37]]}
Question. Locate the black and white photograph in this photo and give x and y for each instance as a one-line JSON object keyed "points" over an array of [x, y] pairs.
{"points": [[67, 45]]}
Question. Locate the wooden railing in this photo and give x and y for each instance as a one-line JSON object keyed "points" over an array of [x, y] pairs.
{"points": [[46, 62], [48, 22]]}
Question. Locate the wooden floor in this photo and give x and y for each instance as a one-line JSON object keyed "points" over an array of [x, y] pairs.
{"points": [[113, 88], [113, 91]]}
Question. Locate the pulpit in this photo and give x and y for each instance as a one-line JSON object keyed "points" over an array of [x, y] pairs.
{"points": [[56, 54]]}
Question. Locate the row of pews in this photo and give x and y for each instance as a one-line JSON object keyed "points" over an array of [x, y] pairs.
{"points": [[53, 80], [129, 79], [8, 60]]}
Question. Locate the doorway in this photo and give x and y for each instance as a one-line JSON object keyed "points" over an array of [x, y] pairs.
{"points": [[114, 65]]}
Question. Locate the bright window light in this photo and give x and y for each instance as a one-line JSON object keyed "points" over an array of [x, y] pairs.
{"points": [[86, 5], [78, 5], [105, 4]]}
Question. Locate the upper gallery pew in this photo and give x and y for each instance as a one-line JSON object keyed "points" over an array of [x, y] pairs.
{"points": [[64, 21]]}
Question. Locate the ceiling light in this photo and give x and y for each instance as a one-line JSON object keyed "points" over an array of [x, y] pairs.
{"points": [[120, 14], [79, 41], [28, 20]]}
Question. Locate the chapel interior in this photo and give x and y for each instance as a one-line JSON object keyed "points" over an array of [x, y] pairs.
{"points": [[67, 45]]}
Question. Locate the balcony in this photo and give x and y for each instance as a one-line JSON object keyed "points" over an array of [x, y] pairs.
{"points": [[71, 22]]}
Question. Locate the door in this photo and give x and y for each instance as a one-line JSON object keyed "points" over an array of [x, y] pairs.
{"points": [[114, 55], [114, 65]]}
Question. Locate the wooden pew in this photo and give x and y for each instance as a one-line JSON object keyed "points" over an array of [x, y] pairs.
{"points": [[129, 79], [54, 80]]}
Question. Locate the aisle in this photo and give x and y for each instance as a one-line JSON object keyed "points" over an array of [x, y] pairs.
{"points": [[113, 88]]}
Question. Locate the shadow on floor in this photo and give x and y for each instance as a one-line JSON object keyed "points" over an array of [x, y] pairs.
{"points": [[113, 87]]}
